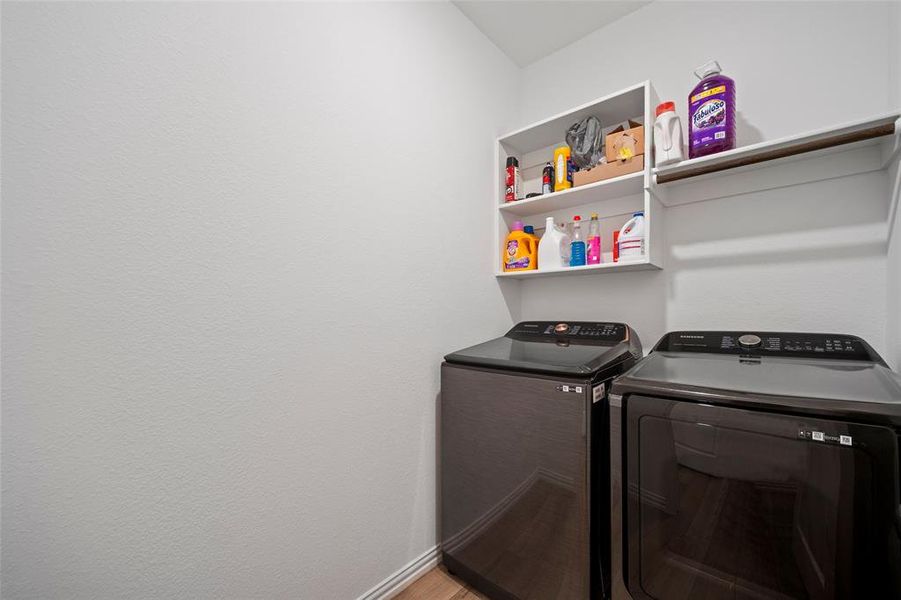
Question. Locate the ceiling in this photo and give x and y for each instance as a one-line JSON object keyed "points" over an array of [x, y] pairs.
{"points": [[527, 31]]}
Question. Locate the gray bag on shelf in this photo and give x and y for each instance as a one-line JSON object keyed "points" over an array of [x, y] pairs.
{"points": [[586, 142]]}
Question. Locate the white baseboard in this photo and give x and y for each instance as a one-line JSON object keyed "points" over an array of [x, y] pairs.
{"points": [[399, 581]]}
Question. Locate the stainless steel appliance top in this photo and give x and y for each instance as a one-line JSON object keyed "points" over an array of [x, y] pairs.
{"points": [[574, 348], [832, 373]]}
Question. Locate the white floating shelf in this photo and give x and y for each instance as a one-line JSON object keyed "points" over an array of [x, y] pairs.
{"points": [[625, 185], [614, 199], [634, 265], [837, 151]]}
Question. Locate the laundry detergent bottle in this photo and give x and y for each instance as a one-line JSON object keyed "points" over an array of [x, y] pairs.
{"points": [[553, 250], [531, 231], [711, 112], [520, 251]]}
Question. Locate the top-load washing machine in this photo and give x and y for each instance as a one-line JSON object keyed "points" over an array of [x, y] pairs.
{"points": [[524, 467], [756, 465]]}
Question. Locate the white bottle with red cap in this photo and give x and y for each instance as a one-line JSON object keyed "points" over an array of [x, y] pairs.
{"points": [[631, 238], [667, 136]]}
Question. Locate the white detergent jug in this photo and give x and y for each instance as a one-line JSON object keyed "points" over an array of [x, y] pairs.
{"points": [[667, 136], [631, 238], [553, 249]]}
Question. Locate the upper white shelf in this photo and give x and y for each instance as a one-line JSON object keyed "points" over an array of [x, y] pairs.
{"points": [[614, 108], [618, 187], [841, 138]]}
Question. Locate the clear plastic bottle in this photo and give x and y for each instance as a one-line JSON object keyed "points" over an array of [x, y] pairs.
{"points": [[594, 240], [577, 254]]}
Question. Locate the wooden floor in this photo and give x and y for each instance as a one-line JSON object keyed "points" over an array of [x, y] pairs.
{"points": [[437, 584]]}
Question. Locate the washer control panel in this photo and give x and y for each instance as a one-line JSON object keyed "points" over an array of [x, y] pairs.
{"points": [[569, 330], [756, 343]]}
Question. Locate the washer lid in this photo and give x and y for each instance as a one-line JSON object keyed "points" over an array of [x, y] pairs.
{"points": [[842, 382], [574, 348]]}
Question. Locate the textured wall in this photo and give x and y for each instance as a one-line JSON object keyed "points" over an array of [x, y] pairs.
{"points": [[808, 257], [232, 259], [893, 307], [893, 302]]}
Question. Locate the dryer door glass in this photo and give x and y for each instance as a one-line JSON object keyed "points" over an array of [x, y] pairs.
{"points": [[725, 503]]}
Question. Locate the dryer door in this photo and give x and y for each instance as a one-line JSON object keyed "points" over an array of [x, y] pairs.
{"points": [[726, 503]]}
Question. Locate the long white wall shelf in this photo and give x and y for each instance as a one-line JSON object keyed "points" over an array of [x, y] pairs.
{"points": [[847, 149]]}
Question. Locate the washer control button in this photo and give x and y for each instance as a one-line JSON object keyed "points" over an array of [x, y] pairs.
{"points": [[561, 328], [749, 340]]}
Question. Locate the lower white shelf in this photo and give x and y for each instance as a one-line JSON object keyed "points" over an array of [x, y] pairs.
{"points": [[642, 264]]}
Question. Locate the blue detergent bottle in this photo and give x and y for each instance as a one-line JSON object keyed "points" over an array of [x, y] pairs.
{"points": [[577, 253]]}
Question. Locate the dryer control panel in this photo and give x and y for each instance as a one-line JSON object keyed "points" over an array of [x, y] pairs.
{"points": [[832, 346]]}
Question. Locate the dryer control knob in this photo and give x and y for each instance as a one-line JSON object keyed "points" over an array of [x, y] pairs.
{"points": [[561, 328], [749, 340]]}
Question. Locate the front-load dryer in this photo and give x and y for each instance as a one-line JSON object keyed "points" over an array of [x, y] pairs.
{"points": [[756, 465]]}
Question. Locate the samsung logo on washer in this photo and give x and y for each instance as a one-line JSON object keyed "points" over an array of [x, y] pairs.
{"points": [[692, 337]]}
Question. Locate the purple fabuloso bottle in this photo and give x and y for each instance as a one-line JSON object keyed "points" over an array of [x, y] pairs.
{"points": [[711, 112]]}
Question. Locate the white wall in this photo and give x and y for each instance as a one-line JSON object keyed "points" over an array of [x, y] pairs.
{"points": [[237, 239], [797, 66], [894, 50], [893, 308], [893, 302]]}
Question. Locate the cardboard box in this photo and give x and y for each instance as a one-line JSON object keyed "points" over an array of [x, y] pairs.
{"points": [[622, 126], [623, 143], [608, 170]]}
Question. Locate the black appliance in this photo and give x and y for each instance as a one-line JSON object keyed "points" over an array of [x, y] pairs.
{"points": [[756, 465], [524, 467]]}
